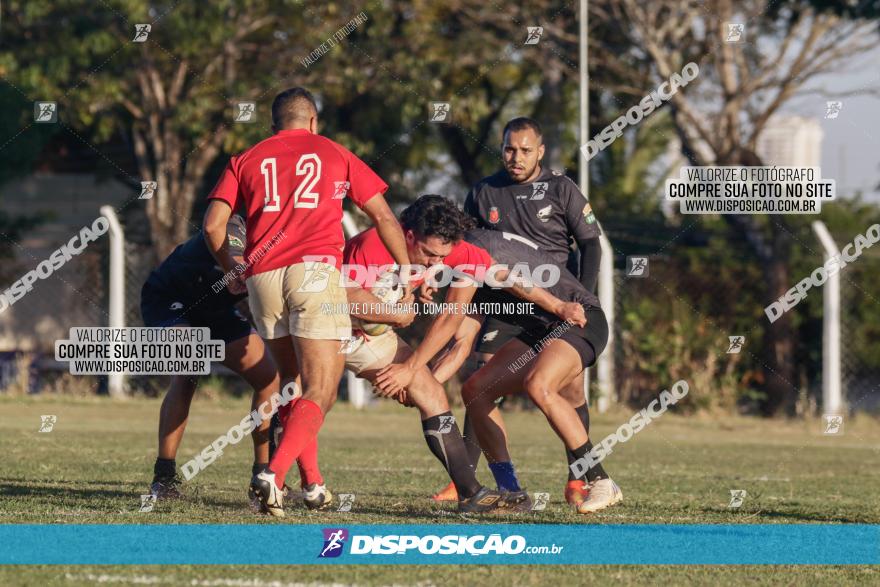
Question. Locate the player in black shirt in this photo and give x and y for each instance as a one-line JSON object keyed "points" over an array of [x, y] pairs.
{"points": [[545, 357], [547, 208], [190, 289]]}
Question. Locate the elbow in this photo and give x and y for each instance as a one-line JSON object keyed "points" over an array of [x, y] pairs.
{"points": [[384, 218], [209, 226], [213, 227]]}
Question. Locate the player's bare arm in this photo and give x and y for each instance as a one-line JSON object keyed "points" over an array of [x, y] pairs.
{"points": [[397, 376], [388, 228], [451, 360], [214, 229], [214, 225], [571, 311]]}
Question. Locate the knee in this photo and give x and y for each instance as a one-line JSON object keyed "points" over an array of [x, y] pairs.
{"points": [[472, 394], [467, 389], [539, 391], [427, 393], [323, 398]]}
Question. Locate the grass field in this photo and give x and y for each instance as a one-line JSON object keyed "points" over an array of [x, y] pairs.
{"points": [[97, 461]]}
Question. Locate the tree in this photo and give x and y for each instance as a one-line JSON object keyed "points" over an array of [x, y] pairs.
{"points": [[170, 97], [721, 115]]}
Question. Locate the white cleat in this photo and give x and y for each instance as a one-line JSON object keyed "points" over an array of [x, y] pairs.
{"points": [[316, 497], [270, 497], [602, 494]]}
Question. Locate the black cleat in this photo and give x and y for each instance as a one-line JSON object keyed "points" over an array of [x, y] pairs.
{"points": [[485, 500], [516, 501], [166, 487]]}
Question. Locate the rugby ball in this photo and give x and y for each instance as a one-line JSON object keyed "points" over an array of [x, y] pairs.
{"points": [[389, 291]]}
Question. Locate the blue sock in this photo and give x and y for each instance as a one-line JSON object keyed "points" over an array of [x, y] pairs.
{"points": [[505, 476]]}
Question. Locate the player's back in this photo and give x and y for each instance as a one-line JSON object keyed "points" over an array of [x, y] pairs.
{"points": [[293, 184], [190, 273]]}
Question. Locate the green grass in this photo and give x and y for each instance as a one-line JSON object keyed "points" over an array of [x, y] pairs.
{"points": [[97, 461]]}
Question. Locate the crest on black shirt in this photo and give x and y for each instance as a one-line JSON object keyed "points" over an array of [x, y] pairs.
{"points": [[494, 215], [544, 213]]}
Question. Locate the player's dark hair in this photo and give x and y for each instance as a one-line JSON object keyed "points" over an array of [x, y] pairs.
{"points": [[433, 215], [293, 106], [522, 123]]}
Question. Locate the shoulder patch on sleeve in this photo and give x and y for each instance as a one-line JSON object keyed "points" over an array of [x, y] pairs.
{"points": [[588, 214]]}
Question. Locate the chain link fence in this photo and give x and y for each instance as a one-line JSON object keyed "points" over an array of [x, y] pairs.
{"points": [[672, 322], [675, 321], [139, 262], [860, 332], [75, 294]]}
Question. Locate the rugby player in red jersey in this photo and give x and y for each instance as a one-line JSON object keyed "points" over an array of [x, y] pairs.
{"points": [[294, 183], [187, 290]]}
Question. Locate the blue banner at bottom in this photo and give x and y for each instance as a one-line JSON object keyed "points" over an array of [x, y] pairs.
{"points": [[492, 544]]}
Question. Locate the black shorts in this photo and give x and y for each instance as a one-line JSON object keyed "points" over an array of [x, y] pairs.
{"points": [[160, 309], [495, 334], [589, 342]]}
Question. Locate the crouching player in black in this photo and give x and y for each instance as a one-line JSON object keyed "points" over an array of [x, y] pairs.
{"points": [[189, 289], [546, 357]]}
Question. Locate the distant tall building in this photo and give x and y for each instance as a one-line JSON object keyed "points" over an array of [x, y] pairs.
{"points": [[791, 141]]}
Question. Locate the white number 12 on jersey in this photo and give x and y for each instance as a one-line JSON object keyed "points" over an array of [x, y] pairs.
{"points": [[308, 165]]}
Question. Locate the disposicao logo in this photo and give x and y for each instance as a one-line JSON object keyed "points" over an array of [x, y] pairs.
{"points": [[334, 540]]}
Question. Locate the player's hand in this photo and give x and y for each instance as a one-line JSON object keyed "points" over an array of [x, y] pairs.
{"points": [[572, 312], [403, 279], [395, 377], [404, 399], [426, 293], [384, 393], [406, 312]]}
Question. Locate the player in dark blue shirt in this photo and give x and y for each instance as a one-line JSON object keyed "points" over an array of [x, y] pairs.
{"points": [[190, 289]]}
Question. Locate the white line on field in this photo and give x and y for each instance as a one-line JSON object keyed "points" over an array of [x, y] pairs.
{"points": [[155, 580]]}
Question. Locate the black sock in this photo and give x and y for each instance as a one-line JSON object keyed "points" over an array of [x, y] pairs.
{"points": [[583, 413], [444, 440], [471, 444], [164, 468], [595, 472], [258, 468], [274, 423]]}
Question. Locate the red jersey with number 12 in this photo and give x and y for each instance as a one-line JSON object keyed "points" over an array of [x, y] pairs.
{"points": [[292, 186]]}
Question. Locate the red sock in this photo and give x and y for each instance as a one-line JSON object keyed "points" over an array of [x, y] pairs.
{"points": [[308, 465], [300, 430], [284, 411]]}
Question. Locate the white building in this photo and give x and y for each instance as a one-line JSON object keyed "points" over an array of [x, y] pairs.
{"points": [[791, 141]]}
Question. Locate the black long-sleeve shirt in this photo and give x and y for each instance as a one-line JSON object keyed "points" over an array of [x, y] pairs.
{"points": [[550, 212]]}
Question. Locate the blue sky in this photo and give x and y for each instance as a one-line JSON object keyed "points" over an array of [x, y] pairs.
{"points": [[851, 144]]}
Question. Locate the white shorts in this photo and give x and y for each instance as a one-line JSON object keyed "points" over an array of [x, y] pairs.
{"points": [[373, 352], [300, 300]]}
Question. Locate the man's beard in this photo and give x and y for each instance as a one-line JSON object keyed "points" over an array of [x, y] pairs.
{"points": [[527, 173]]}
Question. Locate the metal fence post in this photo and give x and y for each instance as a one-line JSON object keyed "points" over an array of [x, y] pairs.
{"points": [[116, 313], [605, 363], [832, 402]]}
